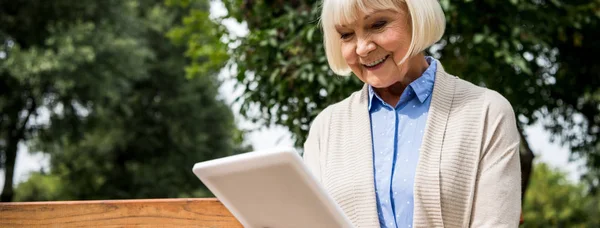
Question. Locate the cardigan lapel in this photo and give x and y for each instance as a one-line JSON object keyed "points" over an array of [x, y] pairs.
{"points": [[427, 190], [361, 161]]}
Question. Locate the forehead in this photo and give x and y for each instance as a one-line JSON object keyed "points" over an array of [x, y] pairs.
{"points": [[344, 12]]}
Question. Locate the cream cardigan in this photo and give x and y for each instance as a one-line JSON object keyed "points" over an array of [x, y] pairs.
{"points": [[468, 173]]}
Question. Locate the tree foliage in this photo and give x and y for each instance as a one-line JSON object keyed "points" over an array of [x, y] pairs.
{"points": [[123, 120], [554, 201], [47, 62], [538, 53], [41, 187]]}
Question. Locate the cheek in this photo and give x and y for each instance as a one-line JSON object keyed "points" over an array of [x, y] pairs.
{"points": [[349, 54], [395, 42]]}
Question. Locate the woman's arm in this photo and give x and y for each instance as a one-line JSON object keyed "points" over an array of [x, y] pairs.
{"points": [[497, 200], [312, 146], [312, 152]]}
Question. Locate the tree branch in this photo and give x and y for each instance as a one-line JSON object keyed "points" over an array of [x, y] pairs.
{"points": [[21, 131], [527, 156]]}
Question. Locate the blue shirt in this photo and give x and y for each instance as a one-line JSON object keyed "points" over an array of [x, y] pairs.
{"points": [[397, 132]]}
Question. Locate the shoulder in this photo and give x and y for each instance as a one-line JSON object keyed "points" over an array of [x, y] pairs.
{"points": [[341, 108], [491, 100], [496, 103], [322, 118], [498, 115], [494, 109]]}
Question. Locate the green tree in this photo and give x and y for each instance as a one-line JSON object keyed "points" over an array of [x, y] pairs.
{"points": [[538, 54], [554, 201], [57, 62], [40, 187], [125, 121]]}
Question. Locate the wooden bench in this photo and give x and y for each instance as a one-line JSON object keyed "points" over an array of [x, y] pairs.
{"points": [[118, 213]]}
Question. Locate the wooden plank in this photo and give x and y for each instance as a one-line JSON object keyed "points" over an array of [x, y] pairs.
{"points": [[118, 213]]}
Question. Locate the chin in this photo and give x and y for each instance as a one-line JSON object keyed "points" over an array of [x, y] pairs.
{"points": [[377, 81], [383, 77], [380, 84]]}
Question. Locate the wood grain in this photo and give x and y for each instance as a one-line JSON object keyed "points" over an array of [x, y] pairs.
{"points": [[118, 213]]}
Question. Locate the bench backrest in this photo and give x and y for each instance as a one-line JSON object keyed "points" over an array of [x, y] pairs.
{"points": [[118, 213]]}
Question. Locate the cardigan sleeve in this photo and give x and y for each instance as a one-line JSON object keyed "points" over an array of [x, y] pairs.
{"points": [[312, 146], [497, 199]]}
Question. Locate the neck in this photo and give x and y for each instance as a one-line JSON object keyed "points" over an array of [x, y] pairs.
{"points": [[415, 68]]}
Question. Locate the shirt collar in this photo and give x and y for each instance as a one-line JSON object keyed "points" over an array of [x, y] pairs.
{"points": [[372, 94], [422, 87]]}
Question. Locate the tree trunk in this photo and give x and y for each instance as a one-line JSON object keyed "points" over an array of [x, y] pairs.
{"points": [[527, 157], [11, 155], [16, 133]]}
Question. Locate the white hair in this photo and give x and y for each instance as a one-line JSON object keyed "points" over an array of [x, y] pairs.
{"points": [[427, 22]]}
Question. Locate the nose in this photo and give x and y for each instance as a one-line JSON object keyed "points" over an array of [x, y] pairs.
{"points": [[364, 47]]}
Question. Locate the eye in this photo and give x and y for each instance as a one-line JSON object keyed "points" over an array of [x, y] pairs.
{"points": [[378, 24], [346, 35]]}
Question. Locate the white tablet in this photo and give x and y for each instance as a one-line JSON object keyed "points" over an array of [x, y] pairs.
{"points": [[270, 188]]}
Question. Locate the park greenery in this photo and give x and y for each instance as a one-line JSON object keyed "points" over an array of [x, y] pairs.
{"points": [[122, 95], [101, 87]]}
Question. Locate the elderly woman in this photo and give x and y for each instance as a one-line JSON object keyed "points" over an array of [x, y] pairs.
{"points": [[416, 146]]}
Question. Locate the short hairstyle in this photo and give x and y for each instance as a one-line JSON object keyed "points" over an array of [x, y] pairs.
{"points": [[427, 24]]}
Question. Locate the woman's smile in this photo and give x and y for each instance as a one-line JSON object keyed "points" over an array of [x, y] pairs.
{"points": [[376, 64]]}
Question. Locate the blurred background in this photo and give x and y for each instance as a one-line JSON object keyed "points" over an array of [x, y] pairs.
{"points": [[117, 99]]}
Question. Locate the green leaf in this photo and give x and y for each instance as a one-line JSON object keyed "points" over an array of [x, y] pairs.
{"points": [[309, 34], [478, 38], [274, 75]]}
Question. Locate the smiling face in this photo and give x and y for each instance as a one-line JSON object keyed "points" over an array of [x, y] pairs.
{"points": [[374, 44]]}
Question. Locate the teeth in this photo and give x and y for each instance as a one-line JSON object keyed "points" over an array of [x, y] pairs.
{"points": [[376, 62]]}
